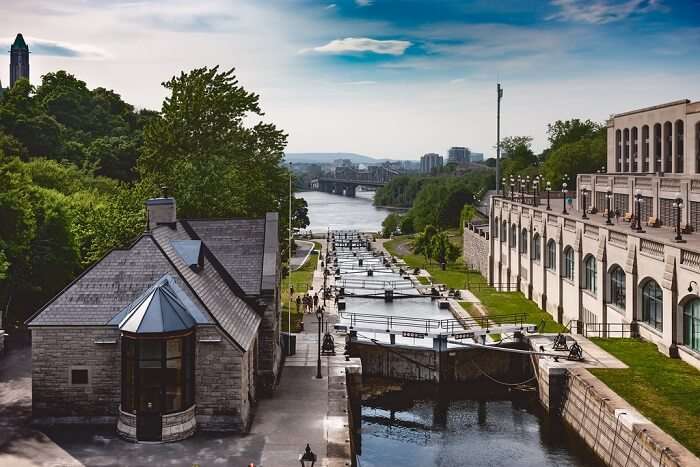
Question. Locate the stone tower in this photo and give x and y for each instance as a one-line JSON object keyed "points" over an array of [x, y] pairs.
{"points": [[19, 60]]}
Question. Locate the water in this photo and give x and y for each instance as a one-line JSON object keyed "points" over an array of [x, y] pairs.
{"points": [[342, 213], [423, 425]]}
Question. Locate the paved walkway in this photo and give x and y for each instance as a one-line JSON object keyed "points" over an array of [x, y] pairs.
{"points": [[301, 255]]}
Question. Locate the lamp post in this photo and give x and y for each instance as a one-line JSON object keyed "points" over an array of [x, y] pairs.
{"points": [[563, 190], [503, 186], [638, 215], [535, 191], [584, 194], [528, 187], [319, 317], [512, 188], [608, 202], [549, 189], [325, 284], [308, 458], [678, 205]]}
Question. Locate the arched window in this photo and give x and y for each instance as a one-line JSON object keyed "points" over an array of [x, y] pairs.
{"points": [[536, 247], [691, 324], [523, 241], [504, 231], [617, 287], [668, 143], [495, 230], [618, 151], [513, 235], [589, 276], [678, 145], [635, 147], [645, 148], [653, 305], [551, 259], [626, 150], [658, 167], [568, 263]]}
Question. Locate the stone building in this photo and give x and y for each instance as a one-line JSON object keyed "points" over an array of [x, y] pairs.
{"points": [[177, 332], [19, 60], [614, 275]]}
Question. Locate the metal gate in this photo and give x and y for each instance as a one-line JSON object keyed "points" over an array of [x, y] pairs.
{"points": [[621, 203], [646, 210]]}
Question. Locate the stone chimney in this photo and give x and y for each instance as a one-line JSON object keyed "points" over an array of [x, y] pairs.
{"points": [[161, 211]]}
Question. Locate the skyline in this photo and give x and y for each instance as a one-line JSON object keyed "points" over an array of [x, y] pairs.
{"points": [[385, 79]]}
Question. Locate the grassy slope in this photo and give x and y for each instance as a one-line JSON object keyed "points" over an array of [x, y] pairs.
{"points": [[665, 390], [457, 276], [301, 280]]}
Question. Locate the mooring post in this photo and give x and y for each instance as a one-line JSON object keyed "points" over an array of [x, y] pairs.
{"points": [[440, 348]]}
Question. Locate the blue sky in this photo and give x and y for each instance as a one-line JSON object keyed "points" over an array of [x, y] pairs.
{"points": [[384, 78]]}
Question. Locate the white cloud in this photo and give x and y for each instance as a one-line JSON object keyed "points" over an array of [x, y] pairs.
{"points": [[601, 11], [363, 44], [52, 48], [363, 2], [331, 6]]}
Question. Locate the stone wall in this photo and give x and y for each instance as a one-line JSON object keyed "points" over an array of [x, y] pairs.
{"points": [[221, 382], [54, 351], [269, 348], [476, 249], [615, 431]]}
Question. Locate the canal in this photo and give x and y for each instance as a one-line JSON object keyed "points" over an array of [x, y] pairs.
{"points": [[424, 424]]}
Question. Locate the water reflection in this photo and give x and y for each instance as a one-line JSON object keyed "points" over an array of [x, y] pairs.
{"points": [[426, 425], [340, 213]]}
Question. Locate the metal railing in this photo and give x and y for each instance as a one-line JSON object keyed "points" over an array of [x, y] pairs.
{"points": [[394, 323], [617, 330]]}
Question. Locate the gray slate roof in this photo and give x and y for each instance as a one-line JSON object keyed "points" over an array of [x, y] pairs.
{"points": [[239, 245], [233, 255], [110, 285]]}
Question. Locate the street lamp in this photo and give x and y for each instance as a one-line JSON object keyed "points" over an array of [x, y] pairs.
{"points": [[549, 189], [319, 317], [608, 201], [563, 190], [503, 186], [528, 187], [678, 205], [512, 188], [308, 459], [535, 190], [584, 193], [638, 201]]}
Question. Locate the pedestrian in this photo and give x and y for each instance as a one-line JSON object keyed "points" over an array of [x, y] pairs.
{"points": [[315, 301], [298, 302]]}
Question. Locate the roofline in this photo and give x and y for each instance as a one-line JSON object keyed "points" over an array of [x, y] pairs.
{"points": [[235, 342], [28, 321], [209, 219], [653, 107]]}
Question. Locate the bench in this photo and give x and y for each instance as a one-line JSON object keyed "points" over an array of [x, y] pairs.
{"points": [[653, 222], [627, 217]]}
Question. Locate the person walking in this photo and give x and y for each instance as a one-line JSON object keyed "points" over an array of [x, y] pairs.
{"points": [[298, 302], [315, 301]]}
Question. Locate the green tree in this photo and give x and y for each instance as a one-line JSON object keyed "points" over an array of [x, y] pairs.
{"points": [[390, 224], [406, 224], [442, 250], [518, 158], [468, 213], [422, 244], [583, 156], [201, 148], [569, 131]]}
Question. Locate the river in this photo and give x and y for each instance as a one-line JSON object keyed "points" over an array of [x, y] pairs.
{"points": [[343, 213], [414, 424]]}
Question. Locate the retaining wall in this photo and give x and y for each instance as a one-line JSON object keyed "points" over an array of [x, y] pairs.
{"points": [[616, 432], [476, 249]]}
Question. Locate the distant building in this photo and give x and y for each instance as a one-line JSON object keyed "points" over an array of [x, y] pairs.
{"points": [[458, 155], [19, 60], [430, 161], [476, 157]]}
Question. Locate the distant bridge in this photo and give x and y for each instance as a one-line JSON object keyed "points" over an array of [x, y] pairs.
{"points": [[345, 180]]}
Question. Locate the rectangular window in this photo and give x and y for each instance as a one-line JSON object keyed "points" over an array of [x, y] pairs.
{"points": [[79, 376]]}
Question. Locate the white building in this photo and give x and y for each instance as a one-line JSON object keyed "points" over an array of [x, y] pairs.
{"points": [[604, 275]]}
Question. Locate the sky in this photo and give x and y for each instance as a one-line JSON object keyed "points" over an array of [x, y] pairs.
{"points": [[384, 78]]}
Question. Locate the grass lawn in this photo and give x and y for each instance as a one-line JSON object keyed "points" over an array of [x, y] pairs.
{"points": [[665, 390], [423, 280], [301, 280], [458, 277]]}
